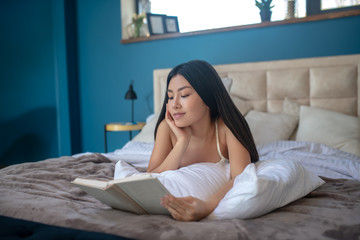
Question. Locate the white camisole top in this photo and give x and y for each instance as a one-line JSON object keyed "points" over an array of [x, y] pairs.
{"points": [[222, 158]]}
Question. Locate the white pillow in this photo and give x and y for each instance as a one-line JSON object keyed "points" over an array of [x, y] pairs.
{"points": [[243, 106], [259, 189], [135, 153], [200, 180], [334, 129], [265, 186], [270, 127], [147, 132], [227, 83], [291, 107]]}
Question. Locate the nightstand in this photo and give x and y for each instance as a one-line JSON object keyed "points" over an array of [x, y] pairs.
{"points": [[121, 126]]}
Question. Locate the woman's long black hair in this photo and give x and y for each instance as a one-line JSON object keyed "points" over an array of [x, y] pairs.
{"points": [[205, 80]]}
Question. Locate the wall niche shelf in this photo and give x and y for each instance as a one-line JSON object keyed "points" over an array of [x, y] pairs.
{"points": [[319, 17]]}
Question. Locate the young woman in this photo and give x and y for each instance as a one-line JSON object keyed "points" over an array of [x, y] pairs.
{"points": [[199, 123]]}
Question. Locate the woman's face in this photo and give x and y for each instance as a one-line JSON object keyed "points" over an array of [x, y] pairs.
{"points": [[185, 105]]}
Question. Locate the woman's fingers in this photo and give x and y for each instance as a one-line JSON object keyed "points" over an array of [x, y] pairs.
{"points": [[176, 215], [170, 120], [168, 115], [180, 209], [174, 203], [186, 208]]}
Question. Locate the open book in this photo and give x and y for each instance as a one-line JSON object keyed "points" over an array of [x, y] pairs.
{"points": [[138, 194]]}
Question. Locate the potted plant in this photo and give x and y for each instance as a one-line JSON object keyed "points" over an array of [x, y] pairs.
{"points": [[265, 9]]}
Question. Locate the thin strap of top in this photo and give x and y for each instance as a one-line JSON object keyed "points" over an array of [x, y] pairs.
{"points": [[218, 143]]}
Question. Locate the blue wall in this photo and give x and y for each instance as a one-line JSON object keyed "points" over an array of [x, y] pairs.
{"points": [[27, 90], [35, 66]]}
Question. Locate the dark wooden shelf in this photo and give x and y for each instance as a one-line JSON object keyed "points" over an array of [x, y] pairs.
{"points": [[319, 17]]}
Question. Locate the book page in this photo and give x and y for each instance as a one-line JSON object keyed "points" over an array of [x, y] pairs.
{"points": [[102, 184], [140, 176], [91, 183]]}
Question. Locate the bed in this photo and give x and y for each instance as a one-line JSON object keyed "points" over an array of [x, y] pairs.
{"points": [[304, 111]]}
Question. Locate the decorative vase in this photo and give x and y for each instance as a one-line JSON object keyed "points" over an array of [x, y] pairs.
{"points": [[130, 30], [136, 30], [265, 15]]}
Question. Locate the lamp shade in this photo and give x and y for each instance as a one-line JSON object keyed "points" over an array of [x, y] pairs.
{"points": [[130, 94]]}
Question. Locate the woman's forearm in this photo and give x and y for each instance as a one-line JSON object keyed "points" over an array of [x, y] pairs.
{"points": [[219, 195]]}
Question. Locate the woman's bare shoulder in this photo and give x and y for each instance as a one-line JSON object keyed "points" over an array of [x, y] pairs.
{"points": [[223, 129], [163, 128], [163, 124], [225, 132]]}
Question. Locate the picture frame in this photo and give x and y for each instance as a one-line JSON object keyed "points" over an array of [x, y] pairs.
{"points": [[171, 24], [156, 23]]}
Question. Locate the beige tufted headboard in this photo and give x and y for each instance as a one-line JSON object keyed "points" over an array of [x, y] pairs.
{"points": [[328, 82]]}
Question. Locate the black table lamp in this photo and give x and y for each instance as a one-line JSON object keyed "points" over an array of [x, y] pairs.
{"points": [[131, 95]]}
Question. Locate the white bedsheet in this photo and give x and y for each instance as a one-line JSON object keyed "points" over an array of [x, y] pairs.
{"points": [[136, 153], [318, 158]]}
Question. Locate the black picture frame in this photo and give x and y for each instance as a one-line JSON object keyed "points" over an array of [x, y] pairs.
{"points": [[171, 24], [156, 23], [313, 7]]}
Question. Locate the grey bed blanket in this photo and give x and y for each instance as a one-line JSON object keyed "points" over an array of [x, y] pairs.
{"points": [[42, 192]]}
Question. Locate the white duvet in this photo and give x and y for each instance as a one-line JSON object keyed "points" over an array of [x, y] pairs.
{"points": [[287, 171], [318, 158]]}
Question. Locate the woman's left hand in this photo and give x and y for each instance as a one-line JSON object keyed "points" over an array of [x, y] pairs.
{"points": [[186, 208]]}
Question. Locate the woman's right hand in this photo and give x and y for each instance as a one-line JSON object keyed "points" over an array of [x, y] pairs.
{"points": [[167, 155], [183, 133]]}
